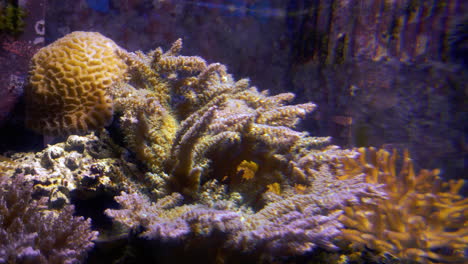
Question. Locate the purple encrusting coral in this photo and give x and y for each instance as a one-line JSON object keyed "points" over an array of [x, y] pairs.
{"points": [[30, 234]]}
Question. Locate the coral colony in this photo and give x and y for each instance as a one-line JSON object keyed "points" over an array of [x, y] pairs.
{"points": [[194, 156]]}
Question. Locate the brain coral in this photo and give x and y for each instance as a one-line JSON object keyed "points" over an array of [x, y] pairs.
{"points": [[69, 83]]}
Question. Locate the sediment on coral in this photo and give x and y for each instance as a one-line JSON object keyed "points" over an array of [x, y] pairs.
{"points": [[424, 218]]}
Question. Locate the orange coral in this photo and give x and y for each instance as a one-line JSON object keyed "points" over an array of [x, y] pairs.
{"points": [[274, 188], [300, 188], [69, 82], [247, 169], [424, 219]]}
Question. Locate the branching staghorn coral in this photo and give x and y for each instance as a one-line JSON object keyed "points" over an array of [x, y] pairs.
{"points": [[175, 110], [287, 226], [148, 122], [166, 220], [242, 120], [424, 219], [148, 127], [29, 234]]}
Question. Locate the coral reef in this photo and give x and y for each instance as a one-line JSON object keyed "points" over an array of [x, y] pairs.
{"points": [[213, 159], [30, 234], [232, 151], [69, 82], [369, 62], [424, 219], [185, 120], [195, 128]]}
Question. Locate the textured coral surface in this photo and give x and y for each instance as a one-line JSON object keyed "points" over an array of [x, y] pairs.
{"points": [[424, 219], [30, 234], [81, 164], [67, 91]]}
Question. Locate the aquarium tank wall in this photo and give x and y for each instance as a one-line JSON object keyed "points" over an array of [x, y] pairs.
{"points": [[233, 131]]}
